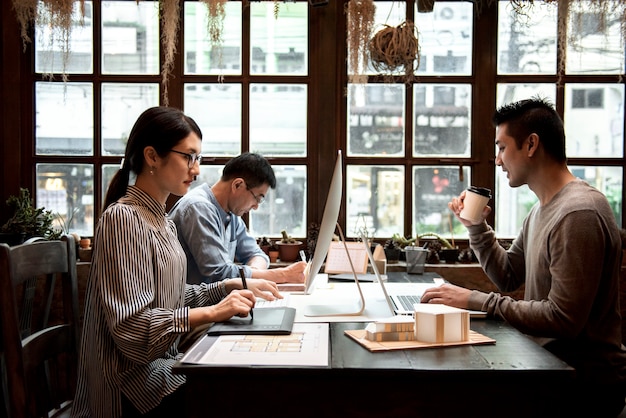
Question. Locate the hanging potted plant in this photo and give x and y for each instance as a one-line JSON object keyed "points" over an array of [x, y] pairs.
{"points": [[56, 15], [396, 48], [216, 13], [360, 20]]}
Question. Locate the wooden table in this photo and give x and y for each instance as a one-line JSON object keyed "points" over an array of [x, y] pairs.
{"points": [[512, 378]]}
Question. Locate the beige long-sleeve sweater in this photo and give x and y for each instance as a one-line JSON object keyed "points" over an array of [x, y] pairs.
{"points": [[568, 256]]}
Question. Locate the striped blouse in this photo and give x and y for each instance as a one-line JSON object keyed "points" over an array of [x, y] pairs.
{"points": [[136, 307]]}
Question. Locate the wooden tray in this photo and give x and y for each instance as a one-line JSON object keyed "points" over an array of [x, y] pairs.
{"points": [[358, 335]]}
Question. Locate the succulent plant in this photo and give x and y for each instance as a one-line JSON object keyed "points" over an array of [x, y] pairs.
{"points": [[444, 242], [29, 220], [286, 239]]}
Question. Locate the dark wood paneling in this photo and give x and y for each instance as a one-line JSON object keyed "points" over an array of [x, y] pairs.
{"points": [[12, 93]]}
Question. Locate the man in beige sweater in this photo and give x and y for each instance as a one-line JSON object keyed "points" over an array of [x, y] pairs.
{"points": [[568, 256]]}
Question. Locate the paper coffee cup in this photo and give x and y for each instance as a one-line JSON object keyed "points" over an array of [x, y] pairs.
{"points": [[476, 198]]}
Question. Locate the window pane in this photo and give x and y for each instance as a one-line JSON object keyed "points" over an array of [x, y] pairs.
{"points": [[375, 200], [604, 105], [203, 56], [67, 191], [130, 37], [108, 171], [608, 180], [376, 119], [279, 42], [216, 108], [284, 207], [442, 118], [527, 40], [445, 37], [433, 188], [512, 92], [51, 47], [278, 115], [513, 204], [64, 118], [595, 44], [122, 103], [209, 174]]}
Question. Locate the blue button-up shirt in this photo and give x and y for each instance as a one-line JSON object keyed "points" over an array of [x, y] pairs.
{"points": [[213, 239]]}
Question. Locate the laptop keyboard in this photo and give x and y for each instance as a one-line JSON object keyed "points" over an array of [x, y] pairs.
{"points": [[408, 301], [276, 303]]}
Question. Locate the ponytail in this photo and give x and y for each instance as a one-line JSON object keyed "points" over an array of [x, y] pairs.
{"points": [[117, 187]]}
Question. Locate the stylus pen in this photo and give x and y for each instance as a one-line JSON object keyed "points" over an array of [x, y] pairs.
{"points": [[245, 286], [302, 255]]}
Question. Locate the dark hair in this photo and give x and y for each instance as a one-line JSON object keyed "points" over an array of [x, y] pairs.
{"points": [[160, 127], [253, 168], [534, 115]]}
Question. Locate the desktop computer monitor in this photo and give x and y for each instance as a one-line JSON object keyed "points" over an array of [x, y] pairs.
{"points": [[324, 239], [327, 227]]}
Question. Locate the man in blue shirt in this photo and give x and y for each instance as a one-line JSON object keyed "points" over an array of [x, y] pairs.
{"points": [[212, 232]]}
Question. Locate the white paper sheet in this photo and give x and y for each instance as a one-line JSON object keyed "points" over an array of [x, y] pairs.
{"points": [[307, 345]]}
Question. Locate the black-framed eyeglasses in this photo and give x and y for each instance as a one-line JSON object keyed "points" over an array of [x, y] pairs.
{"points": [[191, 157], [259, 199]]}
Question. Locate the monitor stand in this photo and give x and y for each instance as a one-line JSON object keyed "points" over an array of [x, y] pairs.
{"points": [[354, 309]]}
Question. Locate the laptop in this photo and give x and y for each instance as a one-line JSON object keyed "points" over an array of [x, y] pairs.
{"points": [[401, 302]]}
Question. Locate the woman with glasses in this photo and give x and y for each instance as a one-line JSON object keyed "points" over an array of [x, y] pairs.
{"points": [[137, 304]]}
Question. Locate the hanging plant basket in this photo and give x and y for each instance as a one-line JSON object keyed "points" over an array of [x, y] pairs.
{"points": [[394, 49]]}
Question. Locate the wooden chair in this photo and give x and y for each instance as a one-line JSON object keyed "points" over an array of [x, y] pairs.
{"points": [[40, 358]]}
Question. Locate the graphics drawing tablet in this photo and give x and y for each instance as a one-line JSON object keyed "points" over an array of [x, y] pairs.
{"points": [[267, 321]]}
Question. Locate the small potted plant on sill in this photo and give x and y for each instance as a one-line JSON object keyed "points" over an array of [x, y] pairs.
{"points": [[440, 248], [265, 245], [65, 222], [273, 252], [467, 256], [84, 249], [27, 221], [392, 251], [394, 247], [288, 247]]}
